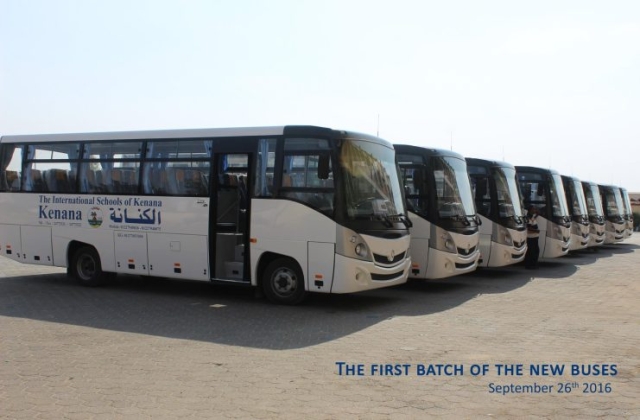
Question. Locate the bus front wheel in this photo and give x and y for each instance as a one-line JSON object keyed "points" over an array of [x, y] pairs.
{"points": [[283, 282], [86, 267]]}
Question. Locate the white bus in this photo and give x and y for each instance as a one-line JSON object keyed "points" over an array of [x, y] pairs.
{"points": [[290, 209], [613, 212], [596, 213], [577, 206], [444, 236], [543, 189], [503, 232], [628, 212]]}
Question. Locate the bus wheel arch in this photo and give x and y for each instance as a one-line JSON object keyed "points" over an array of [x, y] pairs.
{"points": [[85, 265], [281, 279]]}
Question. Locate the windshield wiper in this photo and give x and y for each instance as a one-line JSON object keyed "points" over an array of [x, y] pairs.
{"points": [[386, 220], [464, 219], [404, 219]]}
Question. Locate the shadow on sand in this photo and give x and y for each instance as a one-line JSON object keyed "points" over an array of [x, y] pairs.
{"points": [[233, 315]]}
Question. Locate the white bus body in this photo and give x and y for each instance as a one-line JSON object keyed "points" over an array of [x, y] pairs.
{"points": [[444, 236], [503, 232], [615, 225], [577, 206], [543, 189], [596, 213], [291, 209]]}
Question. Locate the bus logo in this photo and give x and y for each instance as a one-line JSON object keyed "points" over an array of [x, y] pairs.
{"points": [[95, 217]]}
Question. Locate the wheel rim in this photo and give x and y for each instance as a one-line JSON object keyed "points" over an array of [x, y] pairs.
{"points": [[284, 282], [86, 267]]}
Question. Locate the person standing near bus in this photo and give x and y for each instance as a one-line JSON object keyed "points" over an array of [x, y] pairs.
{"points": [[533, 232]]}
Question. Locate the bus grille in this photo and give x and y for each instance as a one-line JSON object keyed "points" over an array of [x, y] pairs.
{"points": [[463, 251], [383, 259]]}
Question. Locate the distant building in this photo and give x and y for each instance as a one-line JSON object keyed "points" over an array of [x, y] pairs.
{"points": [[635, 202]]}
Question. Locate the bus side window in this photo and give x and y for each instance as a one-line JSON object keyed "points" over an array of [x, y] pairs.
{"points": [[526, 191], [482, 195], [301, 180], [115, 186], [264, 168], [10, 167], [10, 181], [57, 180], [33, 181]]}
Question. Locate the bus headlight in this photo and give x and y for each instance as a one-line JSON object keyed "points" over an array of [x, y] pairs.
{"points": [[351, 245], [361, 250], [502, 235], [444, 242]]}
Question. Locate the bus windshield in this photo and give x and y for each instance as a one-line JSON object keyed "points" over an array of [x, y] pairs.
{"points": [[594, 204], [370, 180], [558, 199], [507, 190], [626, 202], [453, 190], [613, 201], [577, 200]]}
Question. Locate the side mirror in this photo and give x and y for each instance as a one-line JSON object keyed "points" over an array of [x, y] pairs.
{"points": [[324, 166]]}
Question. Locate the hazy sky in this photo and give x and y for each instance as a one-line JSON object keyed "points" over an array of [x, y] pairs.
{"points": [[551, 84]]}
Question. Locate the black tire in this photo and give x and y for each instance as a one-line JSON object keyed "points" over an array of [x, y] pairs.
{"points": [[86, 267], [283, 282]]}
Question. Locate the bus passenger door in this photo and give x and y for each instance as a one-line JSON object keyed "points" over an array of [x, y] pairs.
{"points": [[229, 227]]}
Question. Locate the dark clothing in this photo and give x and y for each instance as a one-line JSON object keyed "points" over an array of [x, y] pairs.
{"points": [[533, 253], [533, 232]]}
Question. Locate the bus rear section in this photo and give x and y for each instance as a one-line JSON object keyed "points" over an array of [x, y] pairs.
{"points": [[542, 188], [577, 206], [596, 213], [503, 232], [444, 236], [291, 210], [615, 224]]}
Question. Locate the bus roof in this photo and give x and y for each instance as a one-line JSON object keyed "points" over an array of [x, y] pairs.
{"points": [[571, 178], [289, 130], [145, 134], [488, 163], [424, 151], [533, 169]]}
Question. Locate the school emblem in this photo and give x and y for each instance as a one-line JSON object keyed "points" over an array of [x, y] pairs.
{"points": [[95, 217]]}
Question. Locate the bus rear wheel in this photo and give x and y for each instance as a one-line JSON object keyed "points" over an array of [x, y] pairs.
{"points": [[86, 267], [283, 282]]}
